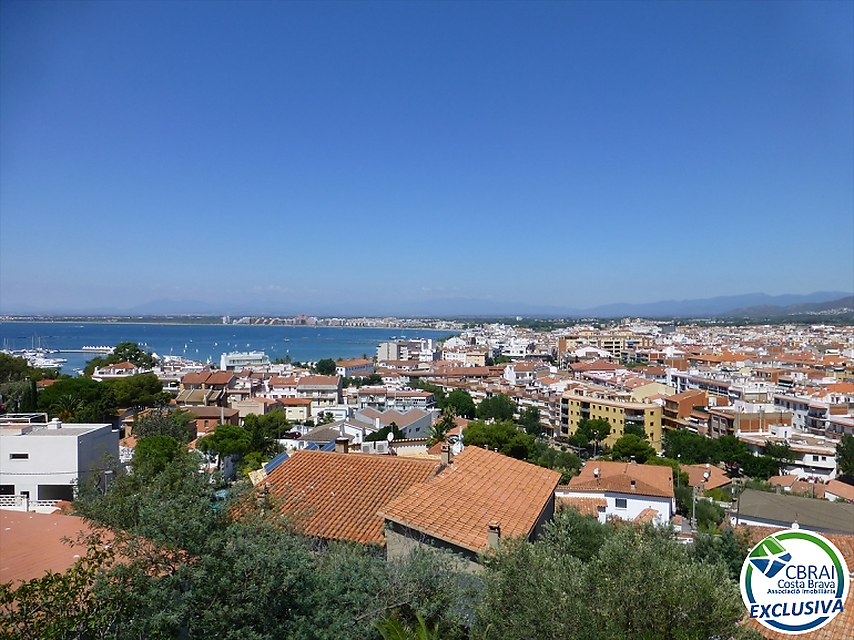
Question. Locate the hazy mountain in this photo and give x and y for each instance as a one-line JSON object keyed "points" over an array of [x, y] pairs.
{"points": [[747, 305], [708, 307], [777, 311]]}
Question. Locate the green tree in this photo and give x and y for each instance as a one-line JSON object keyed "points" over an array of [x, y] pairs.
{"points": [[595, 430], [530, 419], [251, 576], [66, 407], [461, 403], [761, 467], [631, 447], [728, 549], [780, 453], [153, 454], [266, 430], [636, 430], [845, 455], [30, 396], [16, 369], [176, 424], [496, 407], [689, 447], [541, 590], [439, 430], [325, 367], [97, 402], [502, 436], [225, 440], [730, 449], [547, 456], [137, 392]]}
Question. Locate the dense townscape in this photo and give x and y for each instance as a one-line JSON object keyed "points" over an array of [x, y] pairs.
{"points": [[505, 482]]}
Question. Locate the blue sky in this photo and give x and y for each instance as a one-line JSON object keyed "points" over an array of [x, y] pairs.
{"points": [[376, 156]]}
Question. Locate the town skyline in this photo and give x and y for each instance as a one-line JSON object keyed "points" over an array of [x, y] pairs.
{"points": [[377, 158]]}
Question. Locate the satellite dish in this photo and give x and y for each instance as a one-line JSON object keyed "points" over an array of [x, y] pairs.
{"points": [[390, 436]]}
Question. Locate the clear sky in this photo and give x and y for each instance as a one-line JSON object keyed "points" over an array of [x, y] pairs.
{"points": [[374, 156]]}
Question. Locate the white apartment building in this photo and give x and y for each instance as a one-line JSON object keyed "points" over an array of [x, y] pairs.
{"points": [[243, 360], [41, 462]]}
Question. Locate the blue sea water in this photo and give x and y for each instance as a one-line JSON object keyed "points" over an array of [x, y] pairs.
{"points": [[205, 342]]}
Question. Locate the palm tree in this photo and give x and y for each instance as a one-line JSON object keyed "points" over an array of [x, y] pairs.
{"points": [[439, 429], [66, 407], [393, 629]]}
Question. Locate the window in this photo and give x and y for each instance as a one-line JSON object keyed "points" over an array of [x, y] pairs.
{"points": [[19, 456], [621, 503]]}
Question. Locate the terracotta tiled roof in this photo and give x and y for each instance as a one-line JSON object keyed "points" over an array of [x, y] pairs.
{"points": [[649, 480], [585, 506], [783, 481], [618, 484], [295, 402], [220, 378], [842, 626], [336, 496], [319, 381], [196, 377], [647, 515], [840, 489], [119, 365], [32, 543], [717, 478], [478, 487]]}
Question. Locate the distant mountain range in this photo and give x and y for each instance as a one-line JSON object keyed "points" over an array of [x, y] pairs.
{"points": [[802, 308], [754, 305]]}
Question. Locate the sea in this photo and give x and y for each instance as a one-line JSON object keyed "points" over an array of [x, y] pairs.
{"points": [[202, 342]]}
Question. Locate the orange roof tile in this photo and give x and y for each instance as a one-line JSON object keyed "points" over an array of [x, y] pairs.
{"points": [[585, 506], [336, 496], [617, 476], [717, 478], [32, 543], [839, 488], [647, 515], [478, 487]]}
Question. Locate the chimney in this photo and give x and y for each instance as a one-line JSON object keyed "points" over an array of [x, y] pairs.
{"points": [[342, 445], [54, 424], [634, 485], [493, 535], [446, 454]]}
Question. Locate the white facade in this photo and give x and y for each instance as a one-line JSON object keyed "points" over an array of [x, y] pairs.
{"points": [[626, 506], [243, 360], [40, 463]]}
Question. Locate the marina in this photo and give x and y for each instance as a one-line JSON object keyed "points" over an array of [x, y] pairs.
{"points": [[75, 344]]}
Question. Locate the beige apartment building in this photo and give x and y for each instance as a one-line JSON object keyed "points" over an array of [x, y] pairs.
{"points": [[575, 407]]}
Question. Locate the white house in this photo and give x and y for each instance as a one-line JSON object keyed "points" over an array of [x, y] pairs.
{"points": [[41, 462], [633, 492]]}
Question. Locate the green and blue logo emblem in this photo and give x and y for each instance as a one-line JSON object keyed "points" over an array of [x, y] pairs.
{"points": [[794, 582]]}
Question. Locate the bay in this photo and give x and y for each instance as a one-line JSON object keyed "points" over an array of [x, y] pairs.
{"points": [[204, 342]]}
